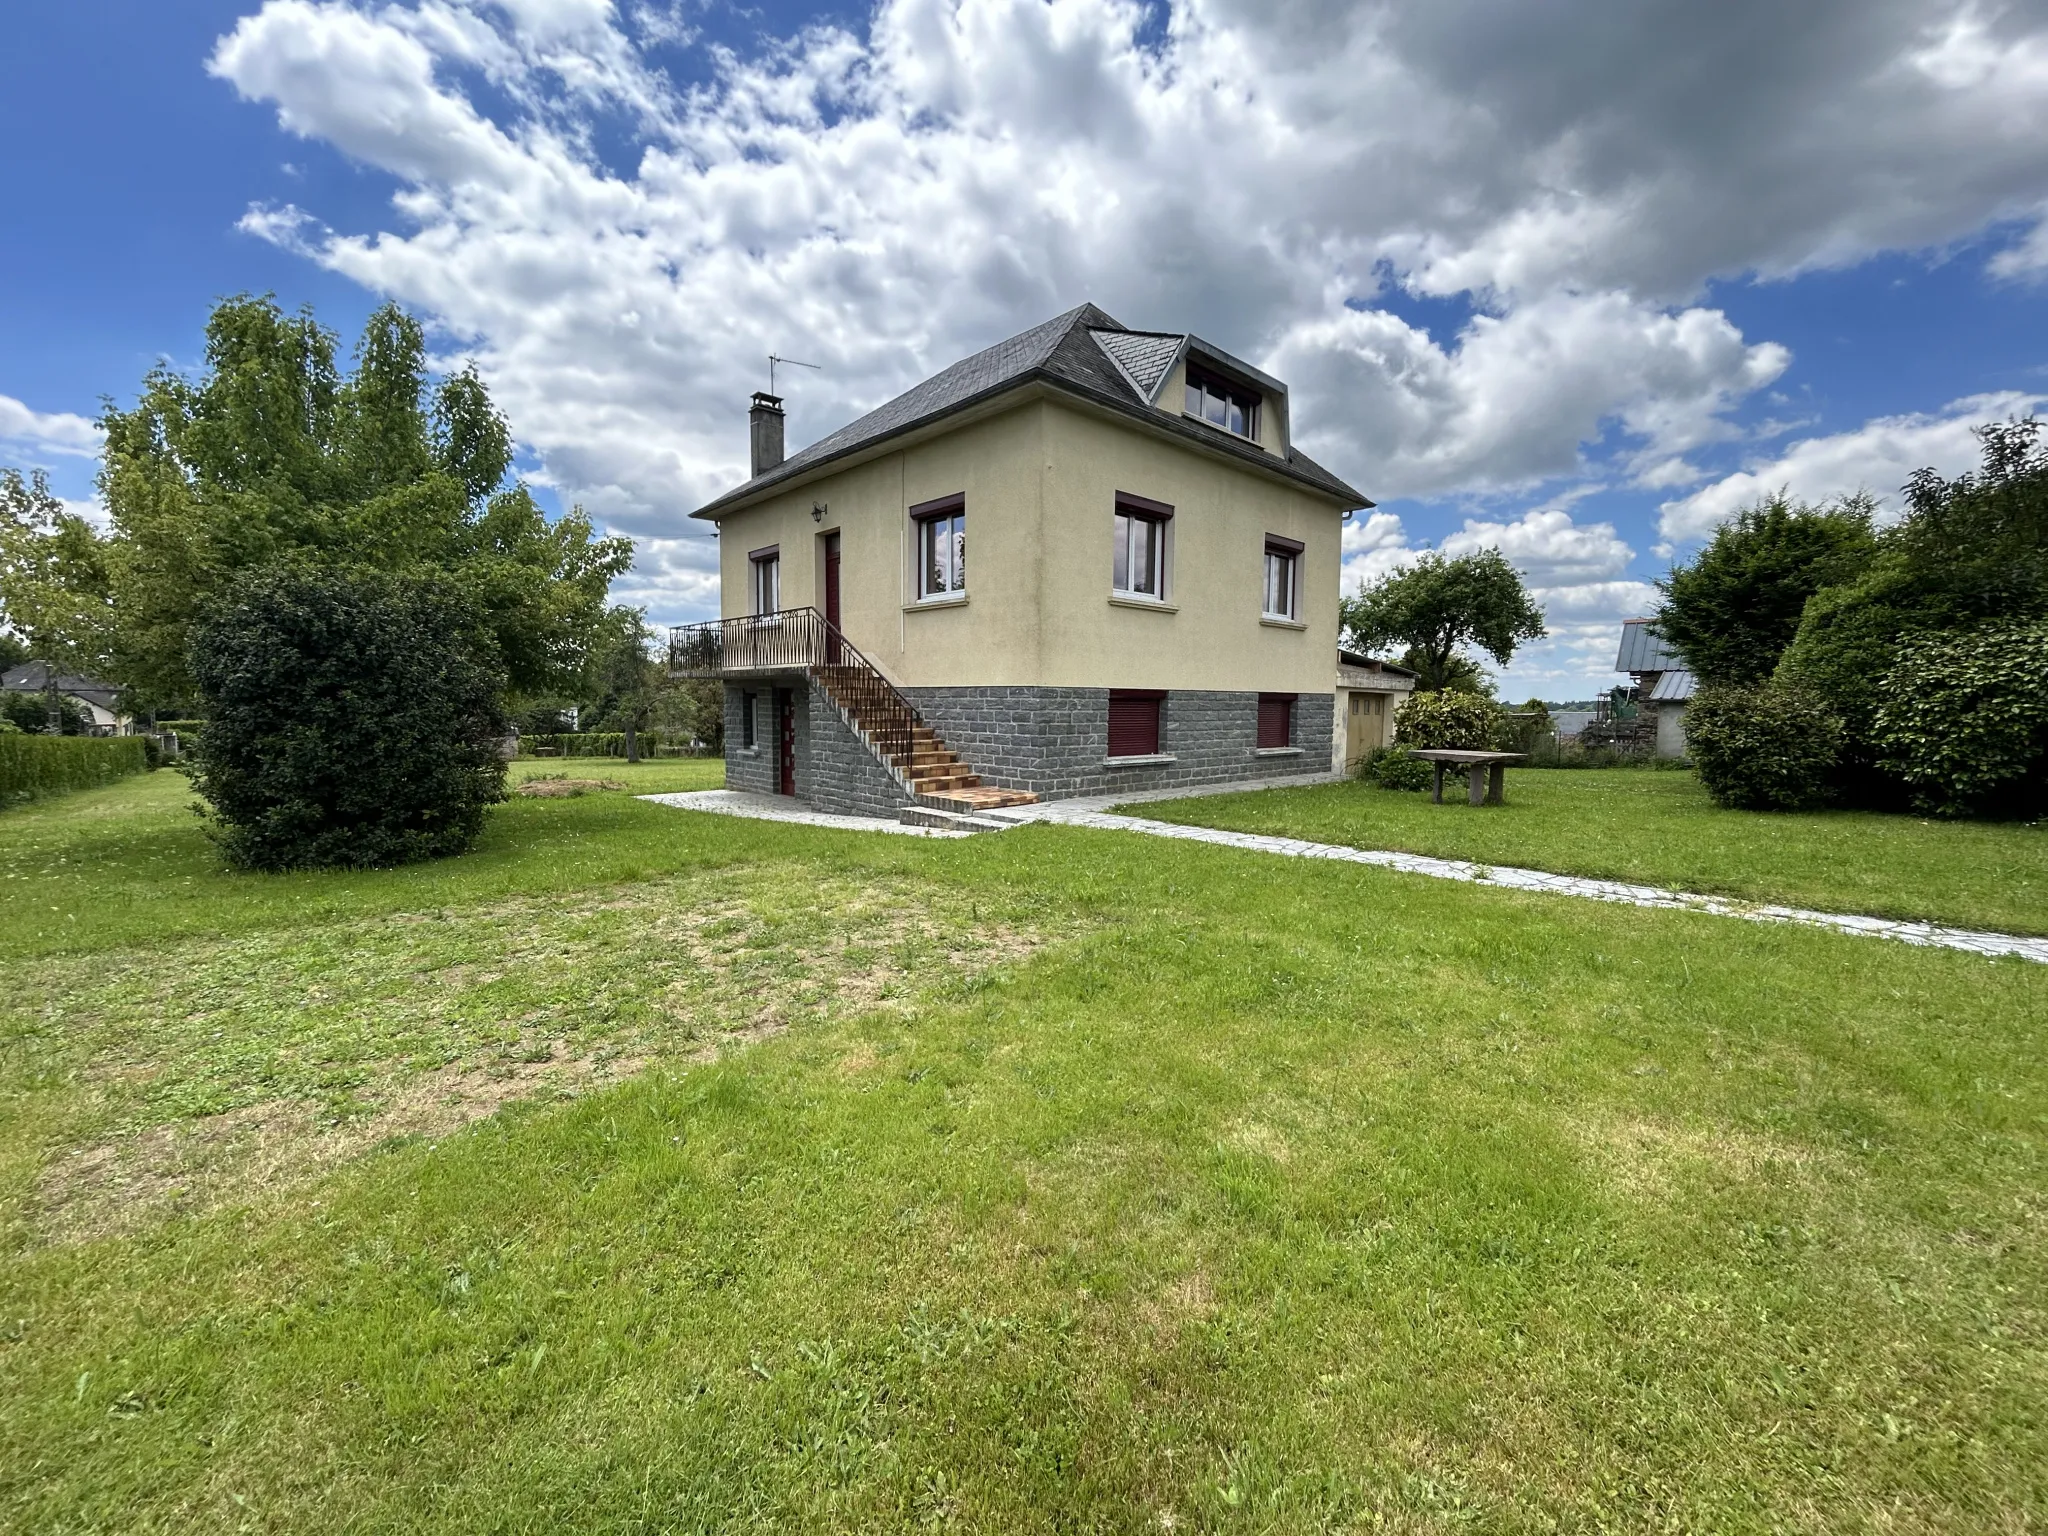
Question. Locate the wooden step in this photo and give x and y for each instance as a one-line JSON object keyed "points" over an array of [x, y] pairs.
{"points": [[944, 783], [979, 797]]}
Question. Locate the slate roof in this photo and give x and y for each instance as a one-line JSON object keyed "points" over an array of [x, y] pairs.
{"points": [[34, 677], [1067, 352], [1644, 650], [1146, 357]]}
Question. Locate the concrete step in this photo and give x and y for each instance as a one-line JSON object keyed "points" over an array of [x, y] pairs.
{"points": [[952, 821]]}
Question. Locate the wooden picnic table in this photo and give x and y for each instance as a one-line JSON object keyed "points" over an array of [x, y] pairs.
{"points": [[1486, 773]]}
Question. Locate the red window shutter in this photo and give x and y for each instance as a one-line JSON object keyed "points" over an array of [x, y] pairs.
{"points": [[1133, 722], [1276, 719]]}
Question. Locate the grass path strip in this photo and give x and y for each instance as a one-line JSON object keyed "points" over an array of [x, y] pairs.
{"points": [[1973, 940]]}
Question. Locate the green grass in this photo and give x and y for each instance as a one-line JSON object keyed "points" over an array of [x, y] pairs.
{"points": [[1049, 1181], [1661, 829]]}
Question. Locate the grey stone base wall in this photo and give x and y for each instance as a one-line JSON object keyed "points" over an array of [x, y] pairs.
{"points": [[845, 776], [1053, 741], [835, 770], [753, 768]]}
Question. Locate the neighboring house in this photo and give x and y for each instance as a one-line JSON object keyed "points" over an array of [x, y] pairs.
{"points": [[1369, 693], [1151, 598], [99, 702], [1663, 684]]}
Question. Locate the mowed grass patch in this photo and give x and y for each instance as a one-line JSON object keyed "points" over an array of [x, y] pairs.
{"points": [[1267, 1196], [1659, 828], [131, 864], [251, 1060]]}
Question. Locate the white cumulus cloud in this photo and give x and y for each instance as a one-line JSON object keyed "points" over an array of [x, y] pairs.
{"points": [[1877, 458], [47, 431], [1265, 172]]}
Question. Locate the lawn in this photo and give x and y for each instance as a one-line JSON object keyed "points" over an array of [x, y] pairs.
{"points": [[1659, 828], [650, 1171]]}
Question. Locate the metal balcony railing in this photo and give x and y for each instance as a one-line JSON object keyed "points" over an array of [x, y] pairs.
{"points": [[802, 640]]}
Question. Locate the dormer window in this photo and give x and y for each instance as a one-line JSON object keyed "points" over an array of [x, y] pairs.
{"points": [[1230, 406]]}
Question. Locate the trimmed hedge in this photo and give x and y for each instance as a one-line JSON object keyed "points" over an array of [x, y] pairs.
{"points": [[1455, 722], [1772, 748], [602, 743], [1963, 719], [50, 765]]}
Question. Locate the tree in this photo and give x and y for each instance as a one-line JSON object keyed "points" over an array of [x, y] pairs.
{"points": [[1735, 608], [627, 679], [273, 453], [1975, 548], [1969, 552], [1436, 606], [55, 593], [353, 717]]}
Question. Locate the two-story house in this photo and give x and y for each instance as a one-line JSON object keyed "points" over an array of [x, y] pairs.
{"points": [[1084, 561]]}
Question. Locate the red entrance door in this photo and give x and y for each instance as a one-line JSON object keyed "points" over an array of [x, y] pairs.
{"points": [[832, 598], [785, 742]]}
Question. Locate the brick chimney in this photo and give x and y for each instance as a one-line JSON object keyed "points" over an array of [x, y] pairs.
{"points": [[764, 431]]}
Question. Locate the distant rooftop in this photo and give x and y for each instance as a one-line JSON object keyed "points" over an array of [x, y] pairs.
{"points": [[1644, 650]]}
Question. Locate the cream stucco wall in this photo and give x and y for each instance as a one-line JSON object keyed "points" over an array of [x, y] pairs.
{"points": [[1040, 482]]}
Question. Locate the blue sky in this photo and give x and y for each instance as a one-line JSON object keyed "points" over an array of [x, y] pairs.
{"points": [[1573, 288]]}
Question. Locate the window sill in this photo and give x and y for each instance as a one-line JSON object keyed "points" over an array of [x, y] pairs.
{"points": [[1149, 604], [1235, 437], [950, 600], [1270, 622], [1150, 759], [1277, 751]]}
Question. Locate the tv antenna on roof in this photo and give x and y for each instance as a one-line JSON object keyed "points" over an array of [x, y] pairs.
{"points": [[789, 362]]}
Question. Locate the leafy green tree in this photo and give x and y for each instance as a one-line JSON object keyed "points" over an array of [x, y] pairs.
{"points": [[1734, 609], [55, 593], [1437, 606], [1975, 548], [13, 649], [1969, 552], [353, 717], [627, 679], [273, 452]]}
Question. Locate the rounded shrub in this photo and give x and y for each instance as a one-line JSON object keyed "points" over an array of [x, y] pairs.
{"points": [[1395, 768], [1772, 748], [1448, 721], [352, 719], [1963, 719]]}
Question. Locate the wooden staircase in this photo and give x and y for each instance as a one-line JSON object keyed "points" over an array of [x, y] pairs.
{"points": [[931, 770]]}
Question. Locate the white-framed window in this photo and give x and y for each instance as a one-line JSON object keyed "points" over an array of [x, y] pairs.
{"points": [[941, 527], [1283, 578], [1222, 404], [765, 568], [1139, 551]]}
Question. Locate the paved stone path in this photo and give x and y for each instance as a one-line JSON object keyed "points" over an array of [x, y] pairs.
{"points": [[1094, 812], [1970, 939], [736, 802]]}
